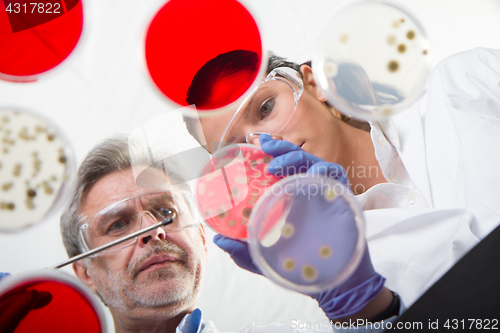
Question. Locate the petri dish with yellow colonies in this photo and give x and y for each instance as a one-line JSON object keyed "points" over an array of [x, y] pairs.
{"points": [[306, 233], [36, 169], [373, 60]]}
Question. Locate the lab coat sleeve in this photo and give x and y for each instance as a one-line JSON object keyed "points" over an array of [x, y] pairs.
{"points": [[294, 326], [413, 248], [320, 327], [324, 326], [461, 124], [449, 142]]}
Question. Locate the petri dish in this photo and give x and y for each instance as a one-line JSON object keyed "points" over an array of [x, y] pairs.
{"points": [[184, 35], [36, 169], [37, 37], [306, 233], [230, 186], [48, 301], [373, 60]]}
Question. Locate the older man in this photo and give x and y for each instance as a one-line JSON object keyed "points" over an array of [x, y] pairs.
{"points": [[151, 283]]}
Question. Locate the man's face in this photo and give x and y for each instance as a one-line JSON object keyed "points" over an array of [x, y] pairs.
{"points": [[161, 273]]}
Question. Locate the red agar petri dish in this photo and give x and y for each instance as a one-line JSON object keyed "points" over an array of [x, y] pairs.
{"points": [[185, 34], [230, 186], [48, 301], [35, 37]]}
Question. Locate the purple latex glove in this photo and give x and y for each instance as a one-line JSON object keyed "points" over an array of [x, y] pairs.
{"points": [[290, 159], [344, 300]]}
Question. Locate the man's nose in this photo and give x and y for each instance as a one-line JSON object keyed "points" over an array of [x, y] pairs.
{"points": [[157, 234]]}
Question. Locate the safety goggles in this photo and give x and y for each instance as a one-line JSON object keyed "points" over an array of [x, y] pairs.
{"points": [[268, 109], [132, 214]]}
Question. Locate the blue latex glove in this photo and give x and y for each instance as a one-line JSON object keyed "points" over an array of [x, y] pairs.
{"points": [[347, 299], [2, 275], [290, 159]]}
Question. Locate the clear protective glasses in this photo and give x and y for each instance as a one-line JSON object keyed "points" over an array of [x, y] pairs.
{"points": [[131, 215], [268, 109]]}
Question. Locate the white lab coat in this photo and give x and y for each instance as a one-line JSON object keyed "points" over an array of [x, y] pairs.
{"points": [[195, 323], [449, 146], [441, 158]]}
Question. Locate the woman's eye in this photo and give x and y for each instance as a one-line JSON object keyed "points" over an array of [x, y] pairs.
{"points": [[267, 107]]}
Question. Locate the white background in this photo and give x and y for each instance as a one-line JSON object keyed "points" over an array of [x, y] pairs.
{"points": [[103, 89]]}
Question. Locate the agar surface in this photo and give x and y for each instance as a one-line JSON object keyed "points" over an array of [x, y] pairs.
{"points": [[289, 264], [34, 166], [393, 66], [309, 272], [325, 251], [232, 190]]}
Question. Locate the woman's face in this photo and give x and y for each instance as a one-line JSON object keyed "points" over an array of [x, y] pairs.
{"points": [[312, 127]]}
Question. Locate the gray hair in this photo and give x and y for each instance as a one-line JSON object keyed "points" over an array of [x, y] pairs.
{"points": [[113, 154]]}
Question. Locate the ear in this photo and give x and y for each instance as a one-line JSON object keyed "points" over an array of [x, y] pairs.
{"points": [[308, 79], [81, 271]]}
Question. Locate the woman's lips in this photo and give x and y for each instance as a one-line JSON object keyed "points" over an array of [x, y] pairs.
{"points": [[158, 260]]}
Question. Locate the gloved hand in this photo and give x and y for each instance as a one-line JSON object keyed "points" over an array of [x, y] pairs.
{"points": [[290, 159], [342, 301]]}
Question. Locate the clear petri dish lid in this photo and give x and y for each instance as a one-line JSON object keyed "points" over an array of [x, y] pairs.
{"points": [[306, 233], [185, 35], [50, 302], [36, 169], [229, 187], [373, 60], [37, 36]]}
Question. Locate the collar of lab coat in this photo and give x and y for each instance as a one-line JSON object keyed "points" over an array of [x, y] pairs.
{"points": [[404, 131], [191, 323], [194, 323]]}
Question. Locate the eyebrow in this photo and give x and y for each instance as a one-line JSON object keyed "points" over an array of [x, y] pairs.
{"points": [[107, 214], [115, 209], [163, 196], [129, 204]]}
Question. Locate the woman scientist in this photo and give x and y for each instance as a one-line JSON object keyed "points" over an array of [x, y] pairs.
{"points": [[439, 157], [441, 152], [311, 125]]}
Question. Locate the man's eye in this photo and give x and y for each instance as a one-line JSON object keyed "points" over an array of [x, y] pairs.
{"points": [[119, 225], [166, 212], [267, 107]]}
